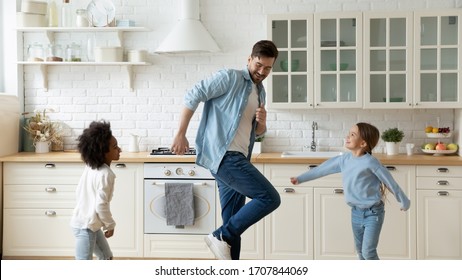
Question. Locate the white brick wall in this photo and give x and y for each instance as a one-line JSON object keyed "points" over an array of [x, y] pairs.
{"points": [[85, 93]]}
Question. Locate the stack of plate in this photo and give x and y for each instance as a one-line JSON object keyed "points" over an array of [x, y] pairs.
{"points": [[33, 14]]}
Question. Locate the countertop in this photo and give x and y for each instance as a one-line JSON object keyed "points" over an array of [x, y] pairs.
{"points": [[73, 156]]}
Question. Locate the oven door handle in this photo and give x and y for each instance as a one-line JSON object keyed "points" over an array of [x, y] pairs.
{"points": [[195, 184]]}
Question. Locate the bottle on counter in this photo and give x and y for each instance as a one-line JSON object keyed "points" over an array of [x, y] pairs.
{"points": [[52, 14], [66, 14]]}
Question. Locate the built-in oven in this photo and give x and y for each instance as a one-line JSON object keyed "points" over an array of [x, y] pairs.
{"points": [[157, 175]]}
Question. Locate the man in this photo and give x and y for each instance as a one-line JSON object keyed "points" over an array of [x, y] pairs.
{"points": [[233, 116]]}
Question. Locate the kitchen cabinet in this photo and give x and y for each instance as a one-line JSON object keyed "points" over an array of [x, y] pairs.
{"points": [[438, 59], [439, 212], [338, 60], [291, 82], [50, 35], [388, 61], [289, 229], [39, 201], [333, 234]]}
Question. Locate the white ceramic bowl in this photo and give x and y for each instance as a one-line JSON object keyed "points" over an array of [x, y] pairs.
{"points": [[30, 20], [109, 54]]}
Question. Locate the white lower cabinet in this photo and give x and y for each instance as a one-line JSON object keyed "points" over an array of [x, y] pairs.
{"points": [[439, 212], [39, 200]]}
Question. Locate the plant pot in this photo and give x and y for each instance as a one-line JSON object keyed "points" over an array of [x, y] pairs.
{"points": [[256, 148], [392, 148], [42, 147]]}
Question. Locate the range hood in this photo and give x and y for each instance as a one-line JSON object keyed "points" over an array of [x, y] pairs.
{"points": [[189, 35]]}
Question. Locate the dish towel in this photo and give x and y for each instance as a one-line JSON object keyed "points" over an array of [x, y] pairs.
{"points": [[179, 204]]}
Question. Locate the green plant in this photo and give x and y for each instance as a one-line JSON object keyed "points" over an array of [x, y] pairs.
{"points": [[259, 139], [392, 135]]}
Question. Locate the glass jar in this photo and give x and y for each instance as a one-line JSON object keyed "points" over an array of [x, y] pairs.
{"points": [[35, 52], [73, 53], [81, 18], [54, 53]]}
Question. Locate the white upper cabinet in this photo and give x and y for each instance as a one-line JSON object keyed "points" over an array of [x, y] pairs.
{"points": [[438, 59], [388, 44], [338, 60], [291, 83]]}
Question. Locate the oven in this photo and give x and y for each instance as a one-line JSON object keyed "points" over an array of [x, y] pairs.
{"points": [[156, 175]]}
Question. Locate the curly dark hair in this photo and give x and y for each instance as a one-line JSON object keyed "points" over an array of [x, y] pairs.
{"points": [[94, 143]]}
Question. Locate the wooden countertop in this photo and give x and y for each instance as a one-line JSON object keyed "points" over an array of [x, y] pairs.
{"points": [[73, 156]]}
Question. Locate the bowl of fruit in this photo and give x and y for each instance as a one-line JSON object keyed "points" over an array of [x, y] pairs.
{"points": [[438, 132], [440, 148]]}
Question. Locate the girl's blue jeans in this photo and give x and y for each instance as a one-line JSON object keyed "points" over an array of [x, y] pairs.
{"points": [[367, 224], [237, 179], [88, 242]]}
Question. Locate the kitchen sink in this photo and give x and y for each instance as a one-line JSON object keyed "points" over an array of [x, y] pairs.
{"points": [[311, 154]]}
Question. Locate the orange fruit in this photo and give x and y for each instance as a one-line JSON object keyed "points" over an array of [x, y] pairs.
{"points": [[428, 129], [435, 130]]}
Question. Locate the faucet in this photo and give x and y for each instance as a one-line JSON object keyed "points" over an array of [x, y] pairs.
{"points": [[314, 127]]}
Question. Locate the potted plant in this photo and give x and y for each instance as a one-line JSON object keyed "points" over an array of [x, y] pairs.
{"points": [[392, 138], [43, 131], [257, 145]]}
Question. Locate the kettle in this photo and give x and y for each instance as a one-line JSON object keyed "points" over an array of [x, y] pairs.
{"points": [[134, 144]]}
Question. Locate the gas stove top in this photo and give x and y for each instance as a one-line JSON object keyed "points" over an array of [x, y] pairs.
{"points": [[163, 151]]}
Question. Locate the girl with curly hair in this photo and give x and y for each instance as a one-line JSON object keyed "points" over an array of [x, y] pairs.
{"points": [[92, 214]]}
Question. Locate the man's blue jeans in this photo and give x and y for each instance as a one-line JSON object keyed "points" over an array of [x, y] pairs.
{"points": [[88, 242], [237, 179], [367, 224]]}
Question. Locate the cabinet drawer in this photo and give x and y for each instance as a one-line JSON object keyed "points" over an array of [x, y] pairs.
{"points": [[279, 175], [39, 196], [439, 171], [438, 183], [29, 173], [36, 232]]}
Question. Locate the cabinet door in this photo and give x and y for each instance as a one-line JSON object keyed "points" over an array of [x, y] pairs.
{"points": [[438, 54], [127, 210], [439, 224], [289, 229], [388, 60], [338, 60], [291, 83], [333, 236]]}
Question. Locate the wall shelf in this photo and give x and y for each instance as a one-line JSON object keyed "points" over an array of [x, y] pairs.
{"points": [[44, 68]]}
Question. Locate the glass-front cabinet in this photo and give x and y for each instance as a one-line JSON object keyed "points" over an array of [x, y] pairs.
{"points": [[388, 60], [438, 59], [291, 83], [338, 60]]}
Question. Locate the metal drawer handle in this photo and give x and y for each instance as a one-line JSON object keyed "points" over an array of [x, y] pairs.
{"points": [[311, 166], [442, 170], [442, 183], [50, 189], [338, 191], [50, 165], [195, 184], [289, 190], [50, 213], [120, 165], [443, 193], [391, 168]]}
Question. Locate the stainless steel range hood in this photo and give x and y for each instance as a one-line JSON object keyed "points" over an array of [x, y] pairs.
{"points": [[188, 35]]}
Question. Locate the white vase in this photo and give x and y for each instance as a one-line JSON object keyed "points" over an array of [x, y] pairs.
{"points": [[256, 148], [392, 148], [42, 147]]}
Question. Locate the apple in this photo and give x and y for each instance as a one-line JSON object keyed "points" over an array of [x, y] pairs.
{"points": [[429, 146], [440, 146], [452, 147]]}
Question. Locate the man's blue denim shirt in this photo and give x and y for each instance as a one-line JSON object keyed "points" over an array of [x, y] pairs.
{"points": [[225, 96]]}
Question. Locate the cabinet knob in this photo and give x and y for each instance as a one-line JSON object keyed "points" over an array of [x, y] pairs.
{"points": [[289, 190], [50, 213], [443, 193], [120, 165], [338, 191], [442, 170], [50, 165], [442, 183], [50, 189], [391, 168]]}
